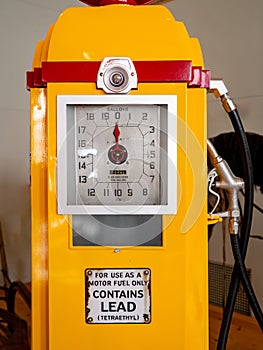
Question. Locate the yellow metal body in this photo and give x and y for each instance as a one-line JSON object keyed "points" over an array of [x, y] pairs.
{"points": [[179, 286]]}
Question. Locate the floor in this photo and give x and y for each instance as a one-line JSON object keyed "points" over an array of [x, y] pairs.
{"points": [[245, 333]]}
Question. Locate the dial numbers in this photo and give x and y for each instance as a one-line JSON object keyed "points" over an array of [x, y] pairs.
{"points": [[117, 154]]}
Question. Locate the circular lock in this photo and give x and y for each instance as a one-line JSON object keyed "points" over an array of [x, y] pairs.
{"points": [[117, 75], [116, 78]]}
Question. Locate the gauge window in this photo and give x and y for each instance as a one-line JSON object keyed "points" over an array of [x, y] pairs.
{"points": [[116, 157]]}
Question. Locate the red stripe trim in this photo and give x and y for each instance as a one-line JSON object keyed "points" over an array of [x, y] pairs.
{"points": [[147, 71], [153, 71], [38, 78], [55, 72], [29, 80], [200, 78]]}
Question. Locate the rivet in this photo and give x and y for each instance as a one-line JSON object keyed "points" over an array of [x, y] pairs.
{"points": [[146, 319], [90, 319]]}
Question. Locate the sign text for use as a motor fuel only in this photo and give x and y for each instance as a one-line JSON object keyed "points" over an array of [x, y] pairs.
{"points": [[118, 295]]}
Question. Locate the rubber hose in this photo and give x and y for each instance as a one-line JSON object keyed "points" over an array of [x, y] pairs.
{"points": [[245, 229], [245, 280]]}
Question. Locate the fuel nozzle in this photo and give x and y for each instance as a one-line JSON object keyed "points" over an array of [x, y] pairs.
{"points": [[231, 184]]}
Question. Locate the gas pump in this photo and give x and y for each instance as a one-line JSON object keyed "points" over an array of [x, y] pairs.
{"points": [[119, 181]]}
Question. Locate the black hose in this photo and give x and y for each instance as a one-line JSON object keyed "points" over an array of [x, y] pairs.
{"points": [[245, 280], [245, 229]]}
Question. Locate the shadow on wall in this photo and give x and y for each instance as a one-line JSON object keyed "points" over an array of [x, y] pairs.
{"points": [[227, 147]]}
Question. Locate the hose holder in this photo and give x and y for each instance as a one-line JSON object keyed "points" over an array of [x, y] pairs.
{"points": [[218, 88]]}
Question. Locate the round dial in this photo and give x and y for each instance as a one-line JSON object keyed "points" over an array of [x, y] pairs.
{"points": [[118, 154]]}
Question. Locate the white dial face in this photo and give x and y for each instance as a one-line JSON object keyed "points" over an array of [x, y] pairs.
{"points": [[117, 154]]}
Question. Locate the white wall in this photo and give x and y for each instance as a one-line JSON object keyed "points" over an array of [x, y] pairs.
{"points": [[22, 24], [231, 36]]}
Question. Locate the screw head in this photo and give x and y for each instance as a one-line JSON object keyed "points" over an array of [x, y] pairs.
{"points": [[146, 319], [90, 320]]}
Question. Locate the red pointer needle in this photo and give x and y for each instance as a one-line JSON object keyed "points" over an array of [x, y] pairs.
{"points": [[116, 134]]}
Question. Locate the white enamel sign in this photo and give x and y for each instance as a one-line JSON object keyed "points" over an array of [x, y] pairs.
{"points": [[118, 296]]}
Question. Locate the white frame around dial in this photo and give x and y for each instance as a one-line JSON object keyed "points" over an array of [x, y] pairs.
{"points": [[62, 182]]}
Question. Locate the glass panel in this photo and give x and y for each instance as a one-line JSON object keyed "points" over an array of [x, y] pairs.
{"points": [[117, 230]]}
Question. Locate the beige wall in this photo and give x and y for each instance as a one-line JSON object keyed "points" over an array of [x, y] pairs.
{"points": [[231, 36]]}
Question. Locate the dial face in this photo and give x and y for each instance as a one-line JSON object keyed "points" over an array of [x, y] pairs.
{"points": [[117, 154]]}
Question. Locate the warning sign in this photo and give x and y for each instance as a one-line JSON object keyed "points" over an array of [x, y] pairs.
{"points": [[118, 295]]}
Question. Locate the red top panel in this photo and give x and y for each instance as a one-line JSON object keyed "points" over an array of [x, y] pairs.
{"points": [[114, 2], [147, 71]]}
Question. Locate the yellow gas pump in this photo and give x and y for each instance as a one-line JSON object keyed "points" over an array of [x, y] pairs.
{"points": [[118, 182]]}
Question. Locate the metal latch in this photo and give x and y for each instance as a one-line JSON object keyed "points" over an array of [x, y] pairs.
{"points": [[117, 75]]}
